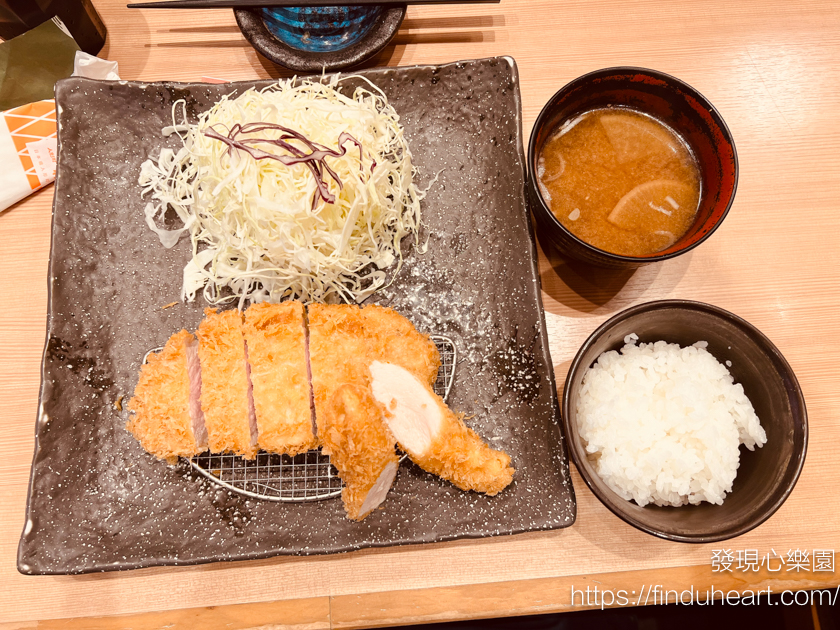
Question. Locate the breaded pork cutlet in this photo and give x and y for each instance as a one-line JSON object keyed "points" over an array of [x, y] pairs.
{"points": [[379, 352], [344, 339], [393, 339], [371, 380], [337, 352], [361, 447], [436, 439], [166, 415], [275, 335], [225, 386]]}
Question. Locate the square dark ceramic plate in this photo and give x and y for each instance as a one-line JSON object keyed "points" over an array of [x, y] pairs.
{"points": [[98, 502]]}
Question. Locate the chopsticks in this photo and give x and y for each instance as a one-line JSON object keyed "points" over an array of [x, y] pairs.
{"points": [[235, 4]]}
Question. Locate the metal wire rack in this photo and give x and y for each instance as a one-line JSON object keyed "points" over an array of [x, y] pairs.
{"points": [[305, 477]]}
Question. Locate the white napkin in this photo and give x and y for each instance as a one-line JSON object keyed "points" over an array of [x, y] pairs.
{"points": [[91, 67]]}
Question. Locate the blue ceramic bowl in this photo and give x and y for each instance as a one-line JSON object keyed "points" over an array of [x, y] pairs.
{"points": [[313, 39]]}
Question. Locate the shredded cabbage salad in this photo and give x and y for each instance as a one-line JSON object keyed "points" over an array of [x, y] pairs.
{"points": [[263, 229]]}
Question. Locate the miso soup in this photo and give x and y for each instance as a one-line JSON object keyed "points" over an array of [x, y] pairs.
{"points": [[620, 180]]}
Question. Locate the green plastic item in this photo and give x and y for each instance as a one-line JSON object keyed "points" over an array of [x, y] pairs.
{"points": [[31, 63]]}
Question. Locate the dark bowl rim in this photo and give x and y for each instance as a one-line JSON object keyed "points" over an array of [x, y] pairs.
{"points": [[253, 28], [620, 258], [574, 440]]}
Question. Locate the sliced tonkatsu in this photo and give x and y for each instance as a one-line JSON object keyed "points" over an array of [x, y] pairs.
{"points": [[393, 339], [287, 379], [338, 349], [344, 339], [166, 416], [226, 397], [275, 337]]}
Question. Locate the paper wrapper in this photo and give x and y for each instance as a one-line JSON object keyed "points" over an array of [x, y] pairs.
{"points": [[28, 145], [28, 150]]}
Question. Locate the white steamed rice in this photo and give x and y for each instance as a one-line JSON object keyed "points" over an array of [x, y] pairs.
{"points": [[662, 424]]}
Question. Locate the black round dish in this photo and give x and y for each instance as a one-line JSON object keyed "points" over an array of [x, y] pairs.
{"points": [[668, 99], [766, 476], [253, 27]]}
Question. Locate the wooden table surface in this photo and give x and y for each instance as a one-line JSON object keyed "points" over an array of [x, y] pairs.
{"points": [[772, 68]]}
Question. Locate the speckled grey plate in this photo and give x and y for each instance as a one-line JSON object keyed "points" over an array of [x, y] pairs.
{"points": [[98, 502]]}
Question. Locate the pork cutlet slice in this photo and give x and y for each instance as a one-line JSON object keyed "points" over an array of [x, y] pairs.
{"points": [[344, 339], [275, 335], [337, 352], [166, 417], [226, 397], [394, 339]]}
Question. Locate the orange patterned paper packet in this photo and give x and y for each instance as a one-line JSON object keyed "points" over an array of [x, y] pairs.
{"points": [[28, 150]]}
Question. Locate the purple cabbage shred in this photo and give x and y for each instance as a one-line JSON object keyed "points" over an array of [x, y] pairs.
{"points": [[315, 160]]}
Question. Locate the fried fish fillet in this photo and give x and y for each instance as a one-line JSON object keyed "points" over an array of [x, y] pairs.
{"points": [[166, 417], [361, 447], [436, 439], [226, 397], [275, 335]]}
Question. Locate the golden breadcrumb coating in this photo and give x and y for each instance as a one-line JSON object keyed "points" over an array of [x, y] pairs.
{"points": [[394, 339], [459, 455], [337, 352], [434, 437], [359, 445], [344, 339], [276, 340], [160, 408], [224, 383]]}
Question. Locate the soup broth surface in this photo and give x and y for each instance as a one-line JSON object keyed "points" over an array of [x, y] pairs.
{"points": [[620, 180]]}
